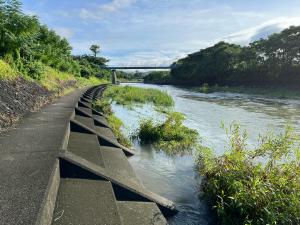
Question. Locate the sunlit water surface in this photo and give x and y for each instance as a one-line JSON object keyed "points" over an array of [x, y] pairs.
{"points": [[175, 177]]}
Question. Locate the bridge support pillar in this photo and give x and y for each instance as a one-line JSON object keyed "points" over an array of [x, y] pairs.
{"points": [[114, 77]]}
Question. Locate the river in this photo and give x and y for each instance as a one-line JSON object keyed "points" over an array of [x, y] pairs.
{"points": [[175, 177]]}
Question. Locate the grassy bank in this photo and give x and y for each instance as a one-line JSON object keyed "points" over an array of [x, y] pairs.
{"points": [[6, 72], [129, 96], [278, 92], [22, 93], [53, 80], [243, 191], [103, 105], [170, 136]]}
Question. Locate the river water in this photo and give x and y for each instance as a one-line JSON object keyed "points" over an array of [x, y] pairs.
{"points": [[175, 177]]}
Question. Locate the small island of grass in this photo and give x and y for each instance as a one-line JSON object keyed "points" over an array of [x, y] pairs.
{"points": [[170, 136], [128, 96]]}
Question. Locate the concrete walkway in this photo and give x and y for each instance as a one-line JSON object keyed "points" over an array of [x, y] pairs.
{"points": [[63, 165], [28, 154]]}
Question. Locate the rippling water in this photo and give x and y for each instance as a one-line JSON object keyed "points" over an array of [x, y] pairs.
{"points": [[175, 177]]}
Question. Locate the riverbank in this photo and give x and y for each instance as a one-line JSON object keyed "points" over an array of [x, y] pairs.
{"points": [[268, 91], [20, 94], [272, 92]]}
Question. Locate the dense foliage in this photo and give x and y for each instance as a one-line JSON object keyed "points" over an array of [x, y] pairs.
{"points": [[91, 66], [158, 77], [254, 187], [29, 47], [130, 76], [171, 136], [128, 95], [274, 61]]}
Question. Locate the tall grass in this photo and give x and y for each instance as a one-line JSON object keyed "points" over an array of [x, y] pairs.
{"points": [[170, 136], [128, 95], [6, 72], [244, 191], [116, 126], [103, 105], [51, 79]]}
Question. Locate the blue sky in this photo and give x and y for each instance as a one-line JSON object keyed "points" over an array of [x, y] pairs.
{"points": [[157, 32]]}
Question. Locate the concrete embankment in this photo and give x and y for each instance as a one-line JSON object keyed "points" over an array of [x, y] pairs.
{"points": [[63, 165]]}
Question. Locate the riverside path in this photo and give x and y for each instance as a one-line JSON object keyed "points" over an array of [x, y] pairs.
{"points": [[63, 165]]}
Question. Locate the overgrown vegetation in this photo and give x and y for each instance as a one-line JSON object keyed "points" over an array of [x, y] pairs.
{"points": [[6, 72], [245, 190], [29, 48], [130, 77], [128, 95], [104, 106], [158, 77], [171, 136]]}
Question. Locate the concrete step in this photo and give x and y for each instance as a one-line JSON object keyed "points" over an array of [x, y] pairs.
{"points": [[86, 110], [137, 213], [84, 104], [117, 164], [105, 131], [101, 120], [86, 146], [85, 202], [83, 99], [87, 121]]}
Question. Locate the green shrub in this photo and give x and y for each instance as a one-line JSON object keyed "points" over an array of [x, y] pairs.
{"points": [[6, 72], [160, 77], [34, 70], [171, 136], [84, 72], [204, 88], [103, 105], [245, 191]]}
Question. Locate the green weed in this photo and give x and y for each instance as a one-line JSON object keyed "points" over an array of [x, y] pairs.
{"points": [[128, 95], [244, 191], [170, 136]]}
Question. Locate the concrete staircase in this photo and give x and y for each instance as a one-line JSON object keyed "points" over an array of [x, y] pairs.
{"points": [[70, 169], [115, 195]]}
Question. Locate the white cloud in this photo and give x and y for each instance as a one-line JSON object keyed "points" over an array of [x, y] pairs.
{"points": [[263, 30], [144, 58], [98, 11], [162, 32], [64, 32], [116, 5]]}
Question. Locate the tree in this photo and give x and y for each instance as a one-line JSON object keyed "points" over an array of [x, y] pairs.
{"points": [[274, 61], [15, 27], [95, 49]]}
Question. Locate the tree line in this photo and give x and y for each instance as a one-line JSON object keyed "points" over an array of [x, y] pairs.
{"points": [[274, 61], [29, 46]]}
